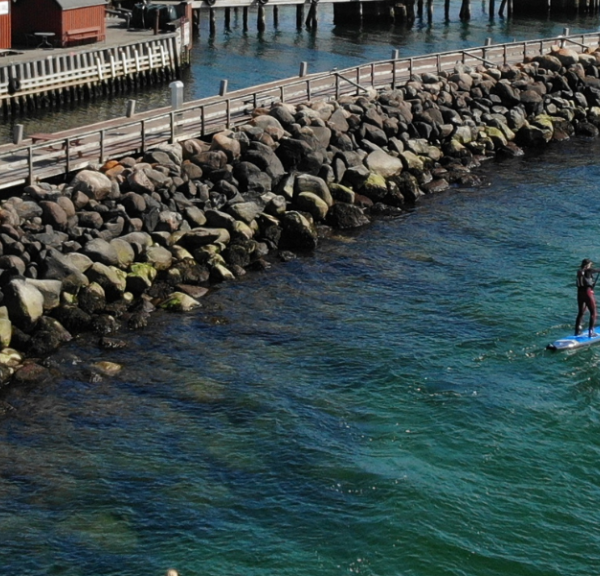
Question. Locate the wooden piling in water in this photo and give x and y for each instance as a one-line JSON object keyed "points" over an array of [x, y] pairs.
{"points": [[465, 10], [212, 21], [312, 18], [300, 15]]}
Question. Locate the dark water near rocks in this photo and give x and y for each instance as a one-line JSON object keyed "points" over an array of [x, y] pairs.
{"points": [[385, 406]]}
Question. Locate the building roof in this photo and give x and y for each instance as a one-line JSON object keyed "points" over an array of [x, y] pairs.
{"points": [[72, 4]]}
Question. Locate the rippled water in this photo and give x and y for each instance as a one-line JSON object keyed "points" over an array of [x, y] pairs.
{"points": [[385, 406]]}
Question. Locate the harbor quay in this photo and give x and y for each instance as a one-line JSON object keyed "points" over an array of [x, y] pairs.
{"points": [[160, 226]]}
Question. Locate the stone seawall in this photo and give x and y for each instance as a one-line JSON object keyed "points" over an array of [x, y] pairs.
{"points": [[98, 254]]}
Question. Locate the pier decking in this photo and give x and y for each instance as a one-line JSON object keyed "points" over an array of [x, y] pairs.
{"points": [[45, 156]]}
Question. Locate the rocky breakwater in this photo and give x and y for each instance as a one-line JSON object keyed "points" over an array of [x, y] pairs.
{"points": [[101, 252]]}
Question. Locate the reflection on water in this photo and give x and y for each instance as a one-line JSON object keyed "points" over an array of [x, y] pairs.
{"points": [[247, 58]]}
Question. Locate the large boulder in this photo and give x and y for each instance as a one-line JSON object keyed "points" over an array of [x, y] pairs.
{"points": [[224, 142], [382, 164], [140, 277], [54, 215], [139, 182], [270, 125], [314, 185], [25, 303], [113, 280], [50, 290], [199, 237], [344, 216], [158, 257], [48, 337], [548, 62], [92, 298], [124, 251], [251, 178], [298, 233], [311, 203], [263, 156], [245, 211], [57, 266], [99, 250], [179, 302], [93, 184], [566, 56], [173, 151]]}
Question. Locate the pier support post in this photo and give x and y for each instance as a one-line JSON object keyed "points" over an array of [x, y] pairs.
{"points": [[447, 10], [300, 15], [17, 133], [260, 18], [465, 10], [275, 16], [245, 18], [227, 18], [130, 109], [312, 19], [213, 21], [176, 94], [492, 8], [196, 22], [420, 9], [429, 11]]}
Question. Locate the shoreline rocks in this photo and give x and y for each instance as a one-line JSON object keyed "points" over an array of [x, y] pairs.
{"points": [[99, 253]]}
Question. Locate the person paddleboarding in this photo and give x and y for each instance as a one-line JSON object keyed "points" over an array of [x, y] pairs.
{"points": [[586, 280]]}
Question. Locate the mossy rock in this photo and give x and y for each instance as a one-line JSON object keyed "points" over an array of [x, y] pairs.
{"points": [[375, 187], [179, 302], [140, 277]]}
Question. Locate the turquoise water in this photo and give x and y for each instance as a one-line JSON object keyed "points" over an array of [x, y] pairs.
{"points": [[383, 407]]}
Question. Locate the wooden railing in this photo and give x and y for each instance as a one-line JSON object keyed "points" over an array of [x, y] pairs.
{"points": [[91, 67], [66, 151]]}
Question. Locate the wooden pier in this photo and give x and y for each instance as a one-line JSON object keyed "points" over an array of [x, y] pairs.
{"points": [[394, 11], [34, 79], [43, 156]]}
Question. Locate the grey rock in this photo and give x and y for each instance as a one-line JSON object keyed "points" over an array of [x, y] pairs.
{"points": [[100, 250]]}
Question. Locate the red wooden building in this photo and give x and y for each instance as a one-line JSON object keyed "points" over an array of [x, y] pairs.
{"points": [[5, 24], [70, 21]]}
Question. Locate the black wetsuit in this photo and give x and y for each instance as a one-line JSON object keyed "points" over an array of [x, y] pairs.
{"points": [[585, 298]]}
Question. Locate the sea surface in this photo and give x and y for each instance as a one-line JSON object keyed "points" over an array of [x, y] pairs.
{"points": [[383, 407]]}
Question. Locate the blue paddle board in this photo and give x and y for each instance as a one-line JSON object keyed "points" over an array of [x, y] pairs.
{"points": [[572, 342]]}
